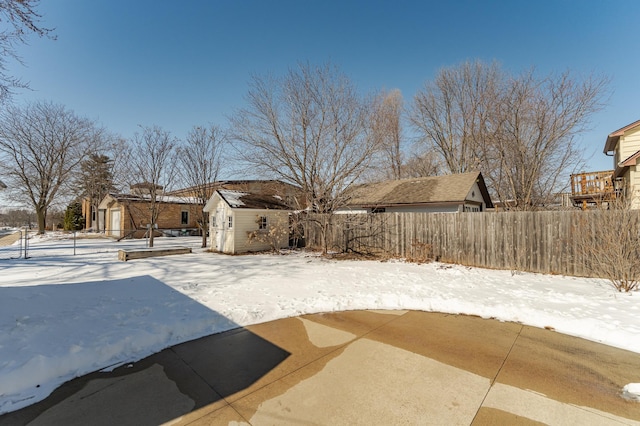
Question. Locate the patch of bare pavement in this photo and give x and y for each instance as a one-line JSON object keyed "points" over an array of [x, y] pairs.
{"points": [[362, 368], [8, 239]]}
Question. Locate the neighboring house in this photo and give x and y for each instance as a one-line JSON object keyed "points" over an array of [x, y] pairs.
{"points": [[624, 146], [127, 215], [235, 215], [465, 192], [91, 215], [289, 193]]}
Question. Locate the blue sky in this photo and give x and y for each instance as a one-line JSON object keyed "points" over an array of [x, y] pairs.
{"points": [[183, 63]]}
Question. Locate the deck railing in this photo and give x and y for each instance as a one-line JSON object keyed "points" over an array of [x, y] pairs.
{"points": [[592, 183]]}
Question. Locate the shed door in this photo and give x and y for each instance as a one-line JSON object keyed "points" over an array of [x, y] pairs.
{"points": [[115, 223], [220, 234]]}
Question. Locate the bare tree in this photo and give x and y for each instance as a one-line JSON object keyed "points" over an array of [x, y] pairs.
{"points": [[200, 160], [533, 148], [609, 242], [519, 130], [151, 168], [23, 20], [451, 114], [422, 164], [308, 129], [40, 145], [386, 128]]}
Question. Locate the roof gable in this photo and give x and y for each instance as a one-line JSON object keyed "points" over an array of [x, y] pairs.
{"points": [[614, 137], [624, 165]]}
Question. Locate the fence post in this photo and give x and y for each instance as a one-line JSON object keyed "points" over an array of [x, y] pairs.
{"points": [[26, 244]]}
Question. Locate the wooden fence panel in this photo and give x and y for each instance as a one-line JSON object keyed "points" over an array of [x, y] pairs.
{"points": [[543, 242]]}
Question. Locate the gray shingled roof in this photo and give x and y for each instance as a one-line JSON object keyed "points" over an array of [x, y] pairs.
{"points": [[433, 189], [243, 200]]}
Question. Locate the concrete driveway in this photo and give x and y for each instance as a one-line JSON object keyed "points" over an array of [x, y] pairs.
{"points": [[359, 367]]}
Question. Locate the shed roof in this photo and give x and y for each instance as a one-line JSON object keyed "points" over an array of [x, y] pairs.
{"points": [[424, 190], [246, 200]]}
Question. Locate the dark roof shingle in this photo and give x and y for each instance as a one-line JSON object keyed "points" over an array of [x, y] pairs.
{"points": [[433, 189]]}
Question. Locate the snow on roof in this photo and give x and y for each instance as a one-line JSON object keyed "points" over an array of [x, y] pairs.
{"points": [[233, 198], [251, 200], [159, 198]]}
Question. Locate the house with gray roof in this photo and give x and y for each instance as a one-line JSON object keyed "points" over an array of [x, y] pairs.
{"points": [[464, 192]]}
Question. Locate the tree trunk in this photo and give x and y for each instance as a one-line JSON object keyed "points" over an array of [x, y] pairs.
{"points": [[204, 226], [151, 231], [204, 238], [41, 215], [97, 218]]}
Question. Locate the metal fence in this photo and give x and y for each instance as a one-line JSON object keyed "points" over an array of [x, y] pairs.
{"points": [[28, 244], [13, 244], [17, 244]]}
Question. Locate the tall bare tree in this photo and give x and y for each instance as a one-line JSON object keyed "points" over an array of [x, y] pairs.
{"points": [[451, 113], [422, 164], [533, 147], [199, 160], [151, 167], [309, 129], [519, 130], [40, 145], [22, 19], [386, 127]]}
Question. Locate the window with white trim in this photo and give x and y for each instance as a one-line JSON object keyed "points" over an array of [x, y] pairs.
{"points": [[262, 222]]}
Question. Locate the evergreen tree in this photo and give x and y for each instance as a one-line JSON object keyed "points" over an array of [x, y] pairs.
{"points": [[73, 219], [95, 181]]}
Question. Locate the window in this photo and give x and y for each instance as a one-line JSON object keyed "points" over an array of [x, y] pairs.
{"points": [[213, 221], [262, 222], [184, 218], [378, 210], [230, 222]]}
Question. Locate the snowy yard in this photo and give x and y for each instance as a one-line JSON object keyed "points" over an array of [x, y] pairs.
{"points": [[62, 316]]}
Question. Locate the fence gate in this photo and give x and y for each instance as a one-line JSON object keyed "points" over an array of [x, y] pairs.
{"points": [[11, 245]]}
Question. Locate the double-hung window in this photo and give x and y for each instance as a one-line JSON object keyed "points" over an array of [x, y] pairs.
{"points": [[262, 222]]}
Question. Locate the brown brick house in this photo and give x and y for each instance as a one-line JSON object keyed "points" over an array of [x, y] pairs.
{"points": [[127, 215]]}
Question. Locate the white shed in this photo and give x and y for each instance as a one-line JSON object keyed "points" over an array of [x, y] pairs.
{"points": [[242, 222]]}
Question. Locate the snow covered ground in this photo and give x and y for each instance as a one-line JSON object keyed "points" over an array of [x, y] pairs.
{"points": [[62, 316]]}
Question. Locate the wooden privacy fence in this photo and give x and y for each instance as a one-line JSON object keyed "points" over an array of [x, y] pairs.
{"points": [[546, 242]]}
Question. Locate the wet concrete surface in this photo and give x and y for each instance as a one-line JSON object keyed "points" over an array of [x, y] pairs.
{"points": [[359, 367]]}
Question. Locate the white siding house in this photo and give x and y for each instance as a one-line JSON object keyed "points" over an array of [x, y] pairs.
{"points": [[464, 192], [234, 215], [624, 146]]}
